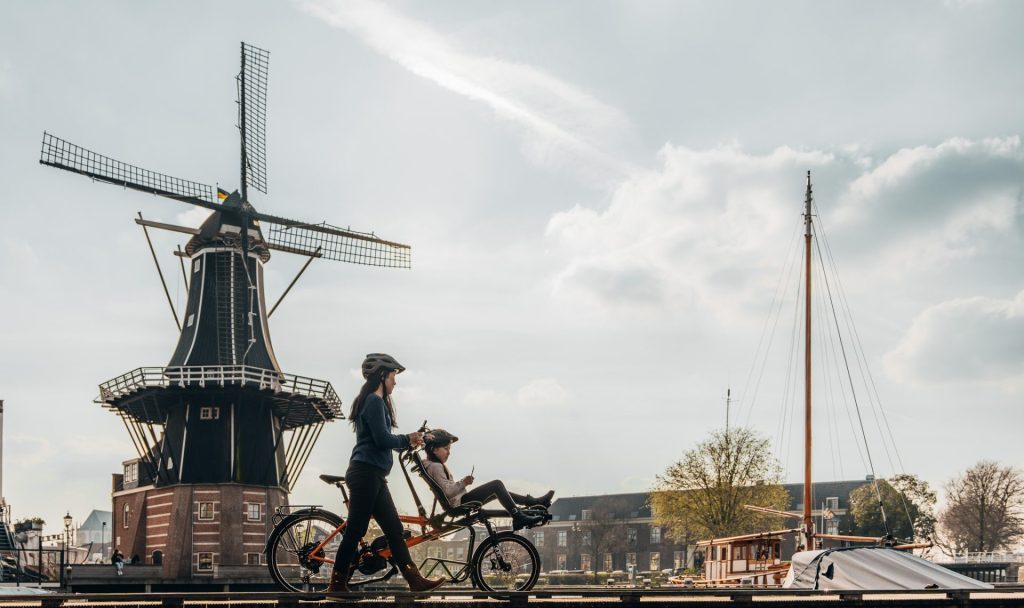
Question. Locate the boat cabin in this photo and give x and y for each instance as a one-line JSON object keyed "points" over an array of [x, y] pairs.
{"points": [[757, 557]]}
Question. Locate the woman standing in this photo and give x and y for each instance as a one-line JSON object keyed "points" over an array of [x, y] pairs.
{"points": [[373, 417]]}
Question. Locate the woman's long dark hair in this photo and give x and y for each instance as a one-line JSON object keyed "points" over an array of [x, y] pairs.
{"points": [[371, 385]]}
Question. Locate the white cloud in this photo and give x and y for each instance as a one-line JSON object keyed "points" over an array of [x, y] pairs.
{"points": [[29, 450], [540, 393], [686, 233], [970, 340], [907, 164], [562, 125], [709, 230]]}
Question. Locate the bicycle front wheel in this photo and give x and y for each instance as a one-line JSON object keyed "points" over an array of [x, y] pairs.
{"points": [[295, 561], [506, 562]]}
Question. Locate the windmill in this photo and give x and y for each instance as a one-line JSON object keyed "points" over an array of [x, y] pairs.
{"points": [[222, 433]]}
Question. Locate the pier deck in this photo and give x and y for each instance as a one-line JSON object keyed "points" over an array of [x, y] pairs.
{"points": [[562, 598]]}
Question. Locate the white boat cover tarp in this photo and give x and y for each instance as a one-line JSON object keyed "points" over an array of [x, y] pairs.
{"points": [[871, 568]]}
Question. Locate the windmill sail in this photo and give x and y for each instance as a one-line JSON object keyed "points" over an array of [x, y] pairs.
{"points": [[252, 115], [63, 154], [334, 243]]}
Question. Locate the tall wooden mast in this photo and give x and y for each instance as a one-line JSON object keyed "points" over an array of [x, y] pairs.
{"points": [[808, 520]]}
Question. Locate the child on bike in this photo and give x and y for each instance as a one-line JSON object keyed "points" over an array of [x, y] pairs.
{"points": [[438, 448]]}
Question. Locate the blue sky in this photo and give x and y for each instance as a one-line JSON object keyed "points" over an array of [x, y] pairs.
{"points": [[601, 198]]}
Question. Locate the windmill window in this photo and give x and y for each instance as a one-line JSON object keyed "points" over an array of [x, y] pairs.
{"points": [[197, 265], [131, 472], [127, 516], [252, 559], [191, 320], [253, 511], [206, 511], [209, 413], [204, 561]]}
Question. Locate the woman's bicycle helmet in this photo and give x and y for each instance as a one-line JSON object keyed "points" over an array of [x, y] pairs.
{"points": [[380, 362]]}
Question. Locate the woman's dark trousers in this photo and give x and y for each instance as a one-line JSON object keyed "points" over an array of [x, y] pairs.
{"points": [[369, 496]]}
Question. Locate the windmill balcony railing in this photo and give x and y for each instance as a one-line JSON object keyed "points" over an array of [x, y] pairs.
{"points": [[204, 376]]}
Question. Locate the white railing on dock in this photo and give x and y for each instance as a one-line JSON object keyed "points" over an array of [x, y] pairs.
{"points": [[983, 557]]}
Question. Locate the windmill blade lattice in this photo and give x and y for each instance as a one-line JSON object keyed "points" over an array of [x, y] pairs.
{"points": [[334, 243], [65, 155], [252, 115]]}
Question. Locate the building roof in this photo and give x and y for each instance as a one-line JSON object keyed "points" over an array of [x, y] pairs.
{"points": [[96, 519], [624, 506]]}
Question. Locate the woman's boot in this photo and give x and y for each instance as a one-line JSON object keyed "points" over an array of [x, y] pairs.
{"points": [[339, 584], [417, 582]]}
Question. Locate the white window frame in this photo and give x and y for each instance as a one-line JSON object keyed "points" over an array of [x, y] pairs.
{"points": [[587, 514], [655, 535], [560, 561], [563, 539], [253, 559], [199, 510], [655, 561], [126, 515], [585, 564], [199, 562], [249, 507], [631, 535], [209, 412], [538, 538], [631, 559], [609, 562]]}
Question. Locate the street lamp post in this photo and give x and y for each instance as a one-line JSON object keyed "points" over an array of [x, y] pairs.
{"points": [[65, 558], [103, 541]]}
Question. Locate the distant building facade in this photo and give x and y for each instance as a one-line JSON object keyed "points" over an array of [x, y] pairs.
{"points": [[566, 542]]}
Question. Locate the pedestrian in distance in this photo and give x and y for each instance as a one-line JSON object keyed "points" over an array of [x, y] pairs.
{"points": [[373, 418], [117, 558]]}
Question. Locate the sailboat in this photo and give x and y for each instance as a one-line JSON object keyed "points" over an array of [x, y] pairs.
{"points": [[756, 559]]}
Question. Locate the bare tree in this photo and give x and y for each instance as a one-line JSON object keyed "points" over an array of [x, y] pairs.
{"points": [[702, 495], [984, 509], [605, 530]]}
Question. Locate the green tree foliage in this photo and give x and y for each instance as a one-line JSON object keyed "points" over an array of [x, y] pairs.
{"points": [[908, 504], [702, 495], [984, 509]]}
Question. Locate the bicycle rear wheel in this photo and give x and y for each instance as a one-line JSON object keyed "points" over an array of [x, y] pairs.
{"points": [[505, 562], [293, 563]]}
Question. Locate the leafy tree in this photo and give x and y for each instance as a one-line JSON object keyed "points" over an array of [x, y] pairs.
{"points": [[702, 495], [908, 504], [984, 509], [605, 529]]}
